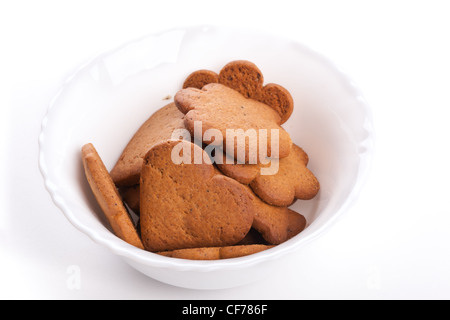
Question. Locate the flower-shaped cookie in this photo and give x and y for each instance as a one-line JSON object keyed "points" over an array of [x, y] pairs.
{"points": [[246, 78], [293, 180], [240, 125]]}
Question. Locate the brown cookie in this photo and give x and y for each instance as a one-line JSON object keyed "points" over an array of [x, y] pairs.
{"points": [[107, 196], [279, 99], [242, 76], [252, 237], [292, 181], [215, 253], [200, 78], [243, 173], [271, 224], [188, 205], [158, 127], [240, 251], [276, 224], [222, 109], [130, 196], [246, 78], [210, 253]]}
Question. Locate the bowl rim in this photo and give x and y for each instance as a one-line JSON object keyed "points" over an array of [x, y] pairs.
{"points": [[131, 253]]}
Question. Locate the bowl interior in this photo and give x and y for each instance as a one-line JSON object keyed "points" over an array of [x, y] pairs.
{"points": [[107, 100]]}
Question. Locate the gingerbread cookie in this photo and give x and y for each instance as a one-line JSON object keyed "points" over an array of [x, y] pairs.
{"points": [[271, 224], [107, 196], [208, 253], [252, 237], [246, 78], [215, 253], [158, 127], [188, 205], [276, 224], [200, 78], [279, 99], [130, 196], [292, 181], [243, 250], [242, 76], [220, 108]]}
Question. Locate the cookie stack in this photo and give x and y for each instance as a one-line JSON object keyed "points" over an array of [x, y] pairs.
{"points": [[200, 192]]}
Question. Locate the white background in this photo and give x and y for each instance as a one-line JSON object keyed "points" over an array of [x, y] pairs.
{"points": [[393, 244]]}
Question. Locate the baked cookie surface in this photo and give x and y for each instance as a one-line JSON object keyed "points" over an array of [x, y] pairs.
{"points": [[108, 197], [293, 180], [200, 78], [246, 78], [189, 205], [216, 253], [158, 127], [218, 107]]}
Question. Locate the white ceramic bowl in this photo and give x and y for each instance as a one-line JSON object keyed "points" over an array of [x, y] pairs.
{"points": [[106, 100]]}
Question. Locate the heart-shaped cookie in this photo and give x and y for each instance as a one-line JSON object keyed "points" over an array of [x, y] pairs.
{"points": [[271, 224], [187, 205]]}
